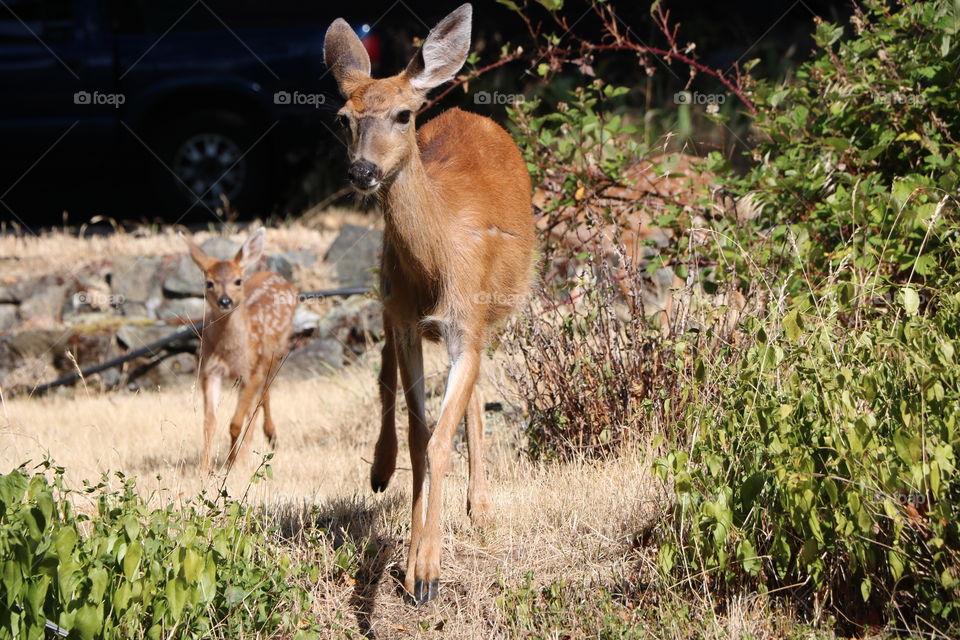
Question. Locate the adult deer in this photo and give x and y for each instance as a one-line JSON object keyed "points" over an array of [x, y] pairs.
{"points": [[245, 336], [457, 256]]}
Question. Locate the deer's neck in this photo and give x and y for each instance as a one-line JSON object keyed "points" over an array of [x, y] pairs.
{"points": [[231, 323], [414, 218]]}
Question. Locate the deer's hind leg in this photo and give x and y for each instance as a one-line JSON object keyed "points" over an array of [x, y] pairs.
{"points": [[478, 492]]}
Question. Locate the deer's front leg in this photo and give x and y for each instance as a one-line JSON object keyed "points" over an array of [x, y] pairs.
{"points": [[240, 426], [409, 352], [385, 453], [465, 358], [211, 398]]}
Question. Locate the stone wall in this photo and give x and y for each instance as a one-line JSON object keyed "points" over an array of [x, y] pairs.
{"points": [[51, 324]]}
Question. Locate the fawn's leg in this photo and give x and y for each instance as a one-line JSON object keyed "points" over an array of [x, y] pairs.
{"points": [[269, 429], [409, 350], [240, 431], [465, 359], [478, 494], [385, 453], [211, 398]]}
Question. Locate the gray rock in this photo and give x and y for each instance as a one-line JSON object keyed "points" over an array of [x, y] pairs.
{"points": [[8, 316], [352, 323], [18, 290], [135, 336], [9, 361], [135, 287], [305, 320], [44, 307], [37, 343], [167, 370], [356, 313], [220, 248], [185, 279], [279, 264], [316, 358], [355, 253], [300, 258], [182, 309]]}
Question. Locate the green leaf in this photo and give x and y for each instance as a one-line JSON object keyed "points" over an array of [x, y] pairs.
{"points": [[12, 579], [234, 595], [131, 560], [793, 325], [99, 579], [192, 566], [910, 300], [176, 592], [88, 621], [748, 557], [64, 541]]}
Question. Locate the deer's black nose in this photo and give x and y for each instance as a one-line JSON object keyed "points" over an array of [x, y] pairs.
{"points": [[364, 174], [225, 302]]}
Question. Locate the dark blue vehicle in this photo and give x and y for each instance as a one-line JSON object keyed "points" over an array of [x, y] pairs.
{"points": [[184, 103]]}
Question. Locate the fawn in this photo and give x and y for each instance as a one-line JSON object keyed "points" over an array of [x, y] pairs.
{"points": [[457, 257], [245, 336]]}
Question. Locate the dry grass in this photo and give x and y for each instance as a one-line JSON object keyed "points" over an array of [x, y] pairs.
{"points": [[573, 523], [569, 523], [56, 251]]}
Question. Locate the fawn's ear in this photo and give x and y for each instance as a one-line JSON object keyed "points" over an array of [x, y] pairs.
{"points": [[249, 253], [443, 52], [204, 261], [345, 56]]}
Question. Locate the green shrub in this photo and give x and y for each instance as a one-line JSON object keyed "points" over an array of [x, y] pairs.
{"points": [[860, 147], [129, 571], [827, 463], [821, 449]]}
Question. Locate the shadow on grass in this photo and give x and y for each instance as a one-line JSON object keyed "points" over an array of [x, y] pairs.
{"points": [[361, 548]]}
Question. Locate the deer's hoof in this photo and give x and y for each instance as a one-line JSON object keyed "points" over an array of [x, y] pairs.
{"points": [[425, 591]]}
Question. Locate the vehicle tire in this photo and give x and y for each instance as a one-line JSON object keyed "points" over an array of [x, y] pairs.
{"points": [[209, 153]]}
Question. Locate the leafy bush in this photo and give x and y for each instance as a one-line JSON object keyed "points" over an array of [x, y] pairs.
{"points": [[199, 570], [821, 452], [828, 464], [860, 148]]}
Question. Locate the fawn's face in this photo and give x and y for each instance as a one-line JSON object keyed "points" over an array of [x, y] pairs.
{"points": [[223, 286], [381, 112], [223, 279]]}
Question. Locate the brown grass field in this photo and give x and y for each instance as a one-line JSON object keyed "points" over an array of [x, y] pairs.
{"points": [[572, 524]]}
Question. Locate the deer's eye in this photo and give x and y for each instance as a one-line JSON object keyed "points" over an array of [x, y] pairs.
{"points": [[209, 284], [404, 116], [238, 282], [343, 121]]}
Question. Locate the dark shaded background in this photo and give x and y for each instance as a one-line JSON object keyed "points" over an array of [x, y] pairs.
{"points": [[306, 166]]}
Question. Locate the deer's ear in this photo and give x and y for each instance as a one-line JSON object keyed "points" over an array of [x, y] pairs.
{"points": [[204, 261], [251, 250], [443, 52], [345, 56]]}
